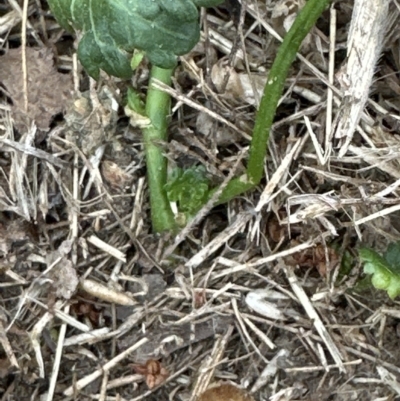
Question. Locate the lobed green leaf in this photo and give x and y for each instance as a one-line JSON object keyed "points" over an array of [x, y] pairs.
{"points": [[112, 29], [188, 188], [384, 269]]}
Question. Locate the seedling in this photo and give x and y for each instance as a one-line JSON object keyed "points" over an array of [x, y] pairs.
{"points": [[385, 269], [111, 30]]}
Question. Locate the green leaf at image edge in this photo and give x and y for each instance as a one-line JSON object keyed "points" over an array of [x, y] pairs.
{"points": [[383, 275], [392, 257]]}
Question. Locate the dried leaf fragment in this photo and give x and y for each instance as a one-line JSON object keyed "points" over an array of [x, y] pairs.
{"points": [[154, 372], [86, 309], [67, 280], [63, 274], [14, 232], [319, 257], [114, 174], [92, 119], [5, 367], [284, 13], [256, 300], [225, 392], [48, 90]]}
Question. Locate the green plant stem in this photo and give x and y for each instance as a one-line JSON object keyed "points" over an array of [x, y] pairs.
{"points": [[273, 89], [157, 110], [158, 107]]}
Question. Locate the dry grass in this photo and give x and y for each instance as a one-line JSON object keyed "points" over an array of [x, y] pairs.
{"points": [[96, 307]]}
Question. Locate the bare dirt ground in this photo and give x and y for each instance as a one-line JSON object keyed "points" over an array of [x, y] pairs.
{"points": [[270, 295]]}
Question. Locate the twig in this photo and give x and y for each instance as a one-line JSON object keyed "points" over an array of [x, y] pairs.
{"points": [[57, 358], [313, 315], [365, 42], [82, 383]]}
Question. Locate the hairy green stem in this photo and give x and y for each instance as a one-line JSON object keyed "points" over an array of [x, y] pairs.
{"points": [[273, 89], [157, 110]]}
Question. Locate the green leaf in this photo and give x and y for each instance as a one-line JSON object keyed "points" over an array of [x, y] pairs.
{"points": [[207, 3], [112, 29], [180, 9], [136, 59], [189, 188], [135, 102], [384, 270], [96, 55], [61, 11], [392, 256]]}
